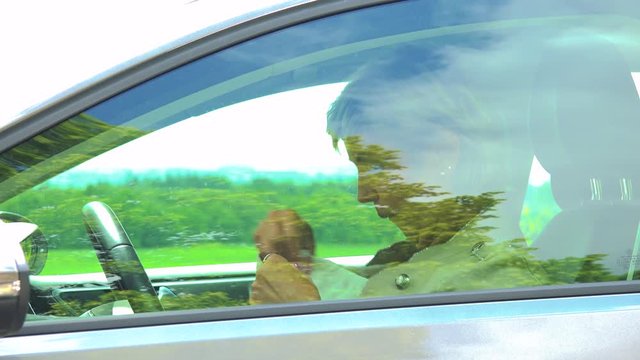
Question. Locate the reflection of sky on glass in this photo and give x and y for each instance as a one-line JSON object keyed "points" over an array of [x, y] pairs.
{"points": [[483, 87], [281, 132], [485, 90]]}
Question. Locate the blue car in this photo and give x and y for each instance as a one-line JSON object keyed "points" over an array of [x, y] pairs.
{"points": [[337, 179]]}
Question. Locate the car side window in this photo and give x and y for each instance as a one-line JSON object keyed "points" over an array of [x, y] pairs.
{"points": [[479, 149]]}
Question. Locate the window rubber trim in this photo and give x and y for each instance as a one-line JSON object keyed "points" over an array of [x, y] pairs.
{"points": [[265, 311]]}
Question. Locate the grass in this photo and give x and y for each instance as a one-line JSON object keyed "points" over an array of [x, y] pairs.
{"points": [[63, 262]]}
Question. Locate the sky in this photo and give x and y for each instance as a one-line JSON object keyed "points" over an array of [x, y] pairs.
{"points": [[49, 46]]}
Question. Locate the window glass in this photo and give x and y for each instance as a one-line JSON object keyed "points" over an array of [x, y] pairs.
{"points": [[456, 148]]}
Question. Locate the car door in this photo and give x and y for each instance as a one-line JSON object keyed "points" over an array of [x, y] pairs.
{"points": [[368, 179]]}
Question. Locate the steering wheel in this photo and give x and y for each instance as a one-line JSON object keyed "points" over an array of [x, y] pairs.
{"points": [[118, 258]]}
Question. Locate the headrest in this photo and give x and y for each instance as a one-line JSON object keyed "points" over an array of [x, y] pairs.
{"points": [[585, 118]]}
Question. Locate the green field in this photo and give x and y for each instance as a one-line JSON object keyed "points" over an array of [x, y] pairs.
{"points": [[205, 218], [62, 262]]}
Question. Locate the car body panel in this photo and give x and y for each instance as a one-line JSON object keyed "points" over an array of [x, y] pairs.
{"points": [[575, 327]]}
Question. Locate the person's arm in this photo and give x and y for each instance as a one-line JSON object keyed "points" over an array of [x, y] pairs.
{"points": [[286, 247], [278, 281]]}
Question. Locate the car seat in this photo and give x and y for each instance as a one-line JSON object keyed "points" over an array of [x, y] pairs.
{"points": [[585, 131]]}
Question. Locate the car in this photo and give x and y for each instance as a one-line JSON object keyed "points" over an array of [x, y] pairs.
{"points": [[337, 179]]}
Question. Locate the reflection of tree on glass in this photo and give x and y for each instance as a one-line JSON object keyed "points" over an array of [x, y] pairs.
{"points": [[446, 247], [426, 163], [437, 156], [424, 223]]}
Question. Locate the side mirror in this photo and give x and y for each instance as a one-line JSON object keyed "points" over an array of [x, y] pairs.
{"points": [[14, 276]]}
